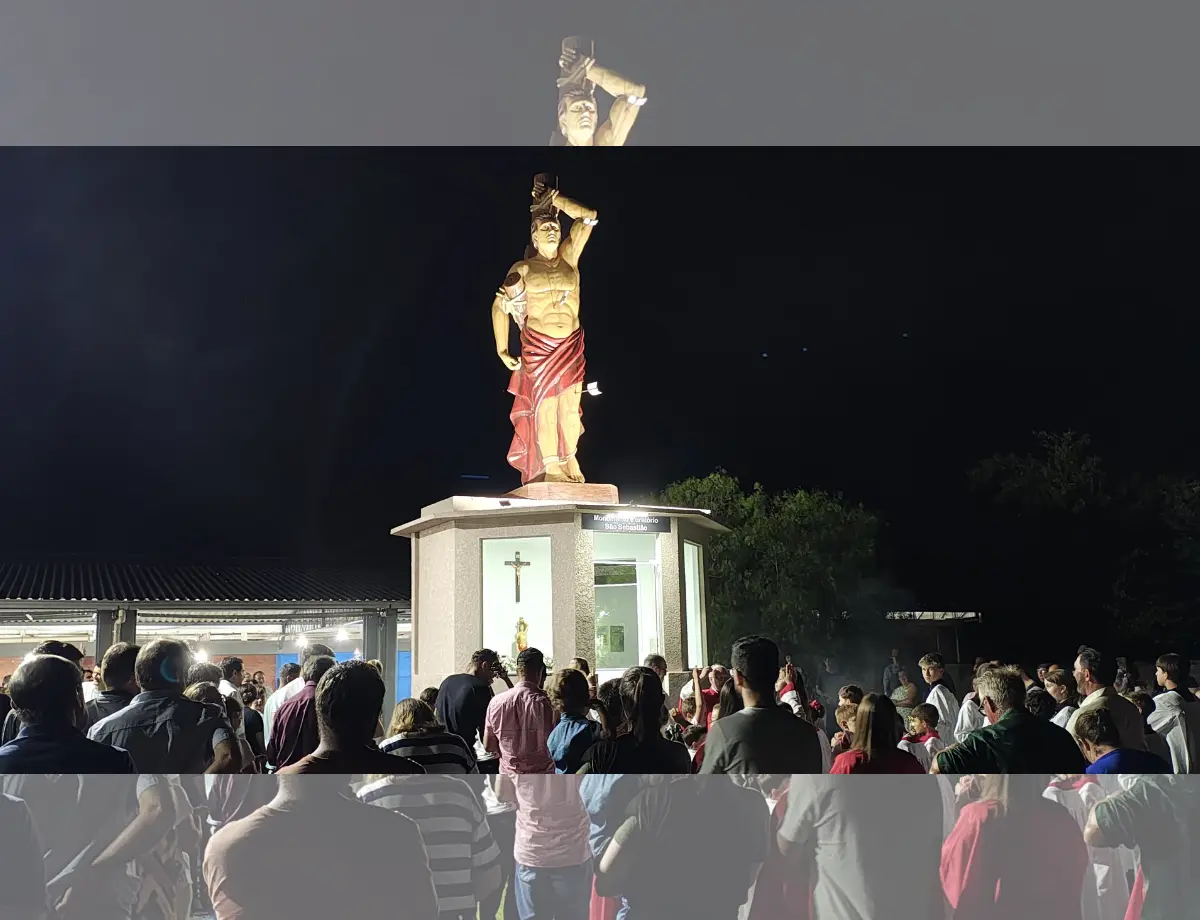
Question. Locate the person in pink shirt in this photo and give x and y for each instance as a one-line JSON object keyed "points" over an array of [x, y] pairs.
{"points": [[519, 721], [553, 872]]}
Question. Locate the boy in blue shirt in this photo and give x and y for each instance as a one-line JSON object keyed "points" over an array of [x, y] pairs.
{"points": [[1096, 732], [575, 732]]}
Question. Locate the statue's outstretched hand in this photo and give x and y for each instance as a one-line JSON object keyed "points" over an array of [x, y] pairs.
{"points": [[510, 362]]}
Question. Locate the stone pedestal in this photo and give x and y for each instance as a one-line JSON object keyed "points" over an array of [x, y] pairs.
{"points": [[645, 564], [588, 492]]}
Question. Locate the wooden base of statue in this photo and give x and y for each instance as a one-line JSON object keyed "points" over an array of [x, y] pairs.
{"points": [[581, 492]]}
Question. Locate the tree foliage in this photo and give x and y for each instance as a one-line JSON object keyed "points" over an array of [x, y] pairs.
{"points": [[798, 566], [1122, 549]]}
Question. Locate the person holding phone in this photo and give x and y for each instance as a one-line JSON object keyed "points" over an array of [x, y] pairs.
{"points": [[463, 700]]}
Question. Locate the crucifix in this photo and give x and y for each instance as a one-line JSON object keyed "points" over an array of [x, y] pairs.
{"points": [[517, 565]]}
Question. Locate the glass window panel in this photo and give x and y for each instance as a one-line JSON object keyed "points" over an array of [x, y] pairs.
{"points": [[693, 599], [628, 599]]}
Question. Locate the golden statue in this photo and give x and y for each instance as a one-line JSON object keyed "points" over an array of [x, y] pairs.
{"points": [[579, 75], [541, 295], [522, 635]]}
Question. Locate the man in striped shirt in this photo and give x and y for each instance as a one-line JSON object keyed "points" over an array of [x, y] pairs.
{"points": [[415, 733], [463, 856]]}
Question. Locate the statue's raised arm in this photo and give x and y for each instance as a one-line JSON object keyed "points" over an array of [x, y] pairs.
{"points": [[579, 75], [540, 295]]}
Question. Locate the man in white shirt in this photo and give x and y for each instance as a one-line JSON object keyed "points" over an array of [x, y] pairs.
{"points": [[933, 669], [233, 672], [1094, 675], [290, 689]]}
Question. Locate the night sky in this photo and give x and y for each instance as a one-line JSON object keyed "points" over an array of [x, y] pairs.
{"points": [[284, 352]]}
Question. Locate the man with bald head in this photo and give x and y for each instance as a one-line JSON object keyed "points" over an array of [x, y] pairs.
{"points": [[47, 695]]}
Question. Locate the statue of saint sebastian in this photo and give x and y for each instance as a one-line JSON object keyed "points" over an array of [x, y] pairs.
{"points": [[541, 295]]}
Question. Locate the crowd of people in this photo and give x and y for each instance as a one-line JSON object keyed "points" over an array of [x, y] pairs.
{"points": [[172, 786]]}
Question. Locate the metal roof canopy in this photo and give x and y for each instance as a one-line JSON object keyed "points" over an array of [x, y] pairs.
{"points": [[231, 587], [49, 612]]}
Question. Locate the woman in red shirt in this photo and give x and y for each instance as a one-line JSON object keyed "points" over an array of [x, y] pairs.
{"points": [[876, 736], [1014, 848]]}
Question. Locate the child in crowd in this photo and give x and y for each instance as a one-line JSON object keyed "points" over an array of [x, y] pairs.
{"points": [[1040, 703], [234, 712], [575, 732], [845, 716], [922, 740]]}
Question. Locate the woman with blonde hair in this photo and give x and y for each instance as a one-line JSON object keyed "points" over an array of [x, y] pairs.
{"points": [[876, 741], [416, 733], [989, 870]]}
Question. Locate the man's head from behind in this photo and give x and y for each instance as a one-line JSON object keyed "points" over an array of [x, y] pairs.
{"points": [[1040, 703], [1093, 671], [315, 668], [117, 667], [60, 650], [531, 666], [162, 666], [1097, 733], [48, 690], [483, 665], [349, 701], [204, 672], [1000, 690], [755, 661], [288, 673], [316, 648]]}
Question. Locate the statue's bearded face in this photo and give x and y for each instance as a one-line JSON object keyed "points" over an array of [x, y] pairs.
{"points": [[547, 235], [578, 121]]}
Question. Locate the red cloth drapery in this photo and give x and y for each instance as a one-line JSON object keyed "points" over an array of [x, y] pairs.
{"points": [[549, 367], [602, 908], [1137, 897]]}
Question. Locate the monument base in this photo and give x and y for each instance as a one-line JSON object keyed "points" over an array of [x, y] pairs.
{"points": [[561, 567], [585, 492]]}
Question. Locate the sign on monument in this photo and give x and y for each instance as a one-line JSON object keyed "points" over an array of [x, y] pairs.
{"points": [[624, 522]]}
